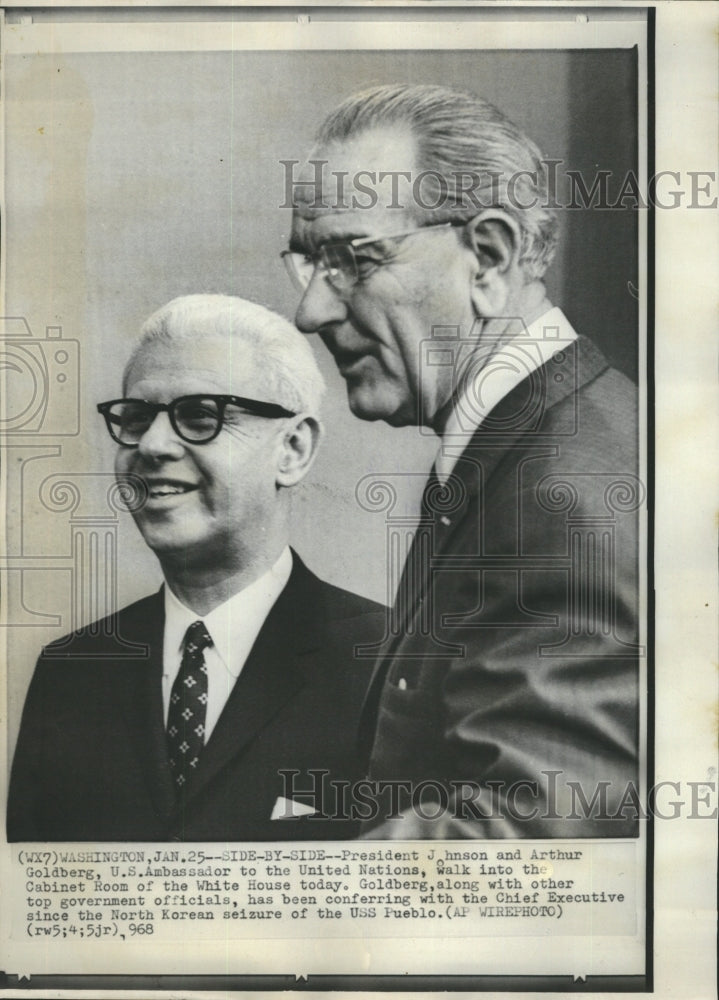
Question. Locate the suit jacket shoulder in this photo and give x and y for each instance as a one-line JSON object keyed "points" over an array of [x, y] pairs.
{"points": [[123, 634], [334, 603]]}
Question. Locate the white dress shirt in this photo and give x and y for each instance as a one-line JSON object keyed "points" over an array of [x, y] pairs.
{"points": [[233, 627], [513, 362]]}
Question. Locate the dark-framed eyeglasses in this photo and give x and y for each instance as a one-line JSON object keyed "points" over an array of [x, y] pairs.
{"points": [[196, 419], [339, 260]]}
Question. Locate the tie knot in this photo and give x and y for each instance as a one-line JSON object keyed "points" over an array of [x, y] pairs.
{"points": [[197, 637]]}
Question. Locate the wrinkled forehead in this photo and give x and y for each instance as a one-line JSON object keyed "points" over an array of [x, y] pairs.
{"points": [[371, 173]]}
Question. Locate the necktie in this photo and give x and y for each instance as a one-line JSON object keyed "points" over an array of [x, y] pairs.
{"points": [[429, 494], [188, 706], [416, 567]]}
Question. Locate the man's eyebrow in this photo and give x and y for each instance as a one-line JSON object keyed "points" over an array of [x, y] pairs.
{"points": [[299, 246]]}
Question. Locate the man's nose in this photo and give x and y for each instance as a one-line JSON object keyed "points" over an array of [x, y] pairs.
{"points": [[319, 305], [160, 440]]}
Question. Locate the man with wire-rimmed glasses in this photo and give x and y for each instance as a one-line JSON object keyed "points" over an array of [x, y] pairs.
{"points": [[504, 699], [241, 670]]}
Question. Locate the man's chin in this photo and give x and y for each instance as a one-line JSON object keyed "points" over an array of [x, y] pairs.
{"points": [[185, 556], [166, 537], [369, 405], [371, 412]]}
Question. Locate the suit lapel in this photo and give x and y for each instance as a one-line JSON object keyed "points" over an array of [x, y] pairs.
{"points": [[518, 416], [275, 671], [518, 421], [144, 717]]}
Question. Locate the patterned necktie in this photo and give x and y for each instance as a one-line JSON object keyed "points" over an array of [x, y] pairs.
{"points": [[188, 706]]}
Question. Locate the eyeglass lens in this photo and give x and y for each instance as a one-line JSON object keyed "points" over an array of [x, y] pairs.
{"points": [[336, 261], [194, 419], [339, 261]]}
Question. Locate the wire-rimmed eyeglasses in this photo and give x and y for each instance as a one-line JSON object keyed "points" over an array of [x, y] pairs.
{"points": [[196, 419], [339, 261]]}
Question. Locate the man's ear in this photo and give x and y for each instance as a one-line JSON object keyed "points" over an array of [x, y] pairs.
{"points": [[299, 448], [495, 240]]}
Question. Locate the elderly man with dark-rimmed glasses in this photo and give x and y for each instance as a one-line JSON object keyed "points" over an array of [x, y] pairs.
{"points": [[180, 717]]}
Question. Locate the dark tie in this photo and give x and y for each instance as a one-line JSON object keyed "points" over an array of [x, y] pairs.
{"points": [[415, 571], [188, 706]]}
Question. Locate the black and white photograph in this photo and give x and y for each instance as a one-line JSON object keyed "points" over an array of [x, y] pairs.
{"points": [[334, 445]]}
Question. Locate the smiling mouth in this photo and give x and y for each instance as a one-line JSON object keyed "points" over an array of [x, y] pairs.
{"points": [[158, 491]]}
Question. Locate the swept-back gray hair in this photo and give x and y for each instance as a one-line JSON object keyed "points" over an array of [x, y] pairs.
{"points": [[283, 356], [472, 147]]}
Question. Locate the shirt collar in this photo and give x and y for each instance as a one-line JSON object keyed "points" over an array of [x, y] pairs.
{"points": [[510, 365], [230, 623]]}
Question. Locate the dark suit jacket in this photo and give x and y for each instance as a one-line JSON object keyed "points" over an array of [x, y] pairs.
{"points": [[515, 653], [91, 761]]}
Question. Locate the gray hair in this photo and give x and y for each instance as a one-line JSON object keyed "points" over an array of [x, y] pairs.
{"points": [[461, 137], [283, 355]]}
